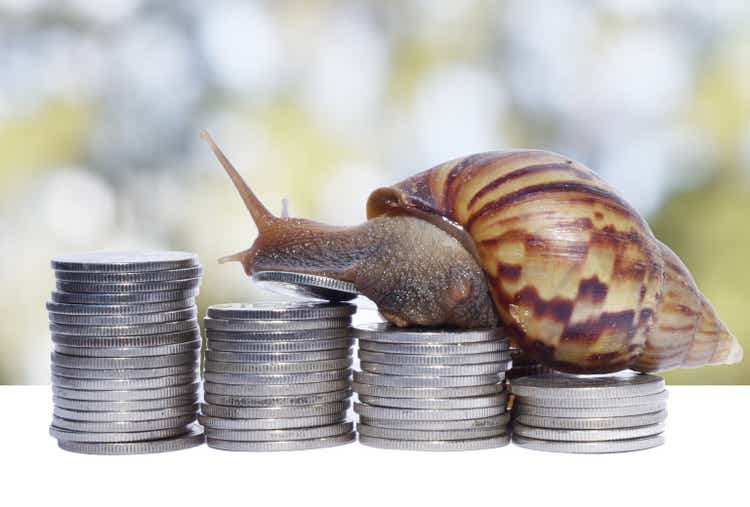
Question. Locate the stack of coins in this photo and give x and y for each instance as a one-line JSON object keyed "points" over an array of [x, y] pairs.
{"points": [[126, 346], [277, 376], [589, 414], [431, 390]]}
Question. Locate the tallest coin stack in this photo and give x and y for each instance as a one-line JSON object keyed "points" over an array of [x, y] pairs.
{"points": [[126, 345]]}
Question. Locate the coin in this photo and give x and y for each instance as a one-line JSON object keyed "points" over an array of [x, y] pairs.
{"points": [[600, 386], [436, 371], [126, 406], [121, 363], [129, 276], [402, 434], [114, 288], [291, 378], [117, 437], [591, 423], [139, 415], [330, 430], [276, 367], [436, 445], [633, 444], [290, 445], [432, 360], [425, 415], [192, 439], [426, 392], [239, 357], [279, 336], [123, 320], [587, 435], [270, 424], [274, 412], [281, 310], [280, 401], [124, 309], [122, 427], [90, 384], [105, 342], [258, 326], [275, 389], [132, 261], [100, 298], [165, 350], [132, 395], [459, 424], [384, 332], [426, 381], [522, 408], [434, 348], [302, 284], [129, 374], [597, 402], [136, 330], [281, 346], [498, 400]]}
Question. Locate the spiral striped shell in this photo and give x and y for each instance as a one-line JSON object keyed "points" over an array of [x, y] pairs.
{"points": [[577, 276]]}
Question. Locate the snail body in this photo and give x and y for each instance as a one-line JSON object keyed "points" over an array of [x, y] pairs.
{"points": [[527, 239]]}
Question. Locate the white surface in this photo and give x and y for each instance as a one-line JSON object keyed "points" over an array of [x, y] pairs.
{"points": [[704, 461]]}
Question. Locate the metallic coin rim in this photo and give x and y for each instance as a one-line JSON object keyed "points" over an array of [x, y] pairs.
{"points": [[434, 348], [280, 336], [281, 310], [162, 275], [130, 395], [289, 445], [427, 392], [458, 424], [334, 407], [124, 320], [124, 363], [277, 367], [127, 374], [287, 378], [425, 415], [430, 435], [306, 280], [122, 427], [660, 397], [276, 389], [122, 309], [432, 359], [591, 423], [444, 445], [604, 447], [123, 385], [126, 416], [329, 430], [384, 332], [141, 261], [270, 424], [97, 342], [542, 386], [425, 381], [135, 330], [123, 352], [279, 401], [279, 357], [566, 435], [522, 408], [285, 346], [498, 400], [100, 298], [259, 326], [436, 371], [94, 406]]}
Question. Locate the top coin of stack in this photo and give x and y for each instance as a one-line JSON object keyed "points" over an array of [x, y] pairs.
{"points": [[589, 414], [427, 389], [277, 376], [125, 348]]}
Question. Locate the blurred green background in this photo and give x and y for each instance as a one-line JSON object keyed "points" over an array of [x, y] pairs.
{"points": [[322, 101]]}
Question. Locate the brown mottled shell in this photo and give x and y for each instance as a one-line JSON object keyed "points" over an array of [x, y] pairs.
{"points": [[575, 273]]}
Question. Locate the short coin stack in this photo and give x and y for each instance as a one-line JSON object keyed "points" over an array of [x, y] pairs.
{"points": [[277, 376], [589, 414], [431, 390], [126, 345]]}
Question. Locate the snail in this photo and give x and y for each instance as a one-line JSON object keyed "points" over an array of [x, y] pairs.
{"points": [[526, 239]]}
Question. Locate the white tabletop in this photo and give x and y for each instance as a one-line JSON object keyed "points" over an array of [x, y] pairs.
{"points": [[704, 462]]}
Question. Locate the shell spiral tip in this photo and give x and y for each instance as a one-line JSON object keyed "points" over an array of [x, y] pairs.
{"points": [[735, 353]]}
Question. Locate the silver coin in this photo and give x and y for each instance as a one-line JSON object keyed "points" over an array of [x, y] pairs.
{"points": [[140, 415], [459, 424], [165, 350], [117, 261], [425, 381], [127, 288], [280, 346], [100, 298], [123, 363], [131, 395], [276, 389], [104, 342], [597, 402], [498, 400], [436, 371], [434, 348], [130, 374], [587, 435], [522, 408], [384, 332], [136, 330], [259, 326], [290, 378], [427, 392], [290, 445], [122, 427], [425, 415], [281, 310], [123, 320], [279, 336], [432, 360], [633, 444], [435, 435], [591, 423], [301, 284], [126, 406], [129, 276], [335, 407], [90, 384], [277, 368], [117, 437], [558, 386], [239, 357], [270, 424], [125, 309], [194, 438], [277, 401], [330, 430], [438, 445]]}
